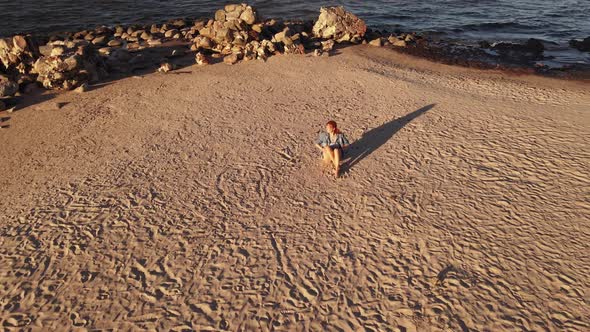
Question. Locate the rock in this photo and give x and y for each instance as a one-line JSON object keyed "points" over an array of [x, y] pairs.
{"points": [[533, 47], [82, 88], [581, 45], [230, 7], [18, 54], [485, 44], [57, 51], [376, 42], [248, 15], [45, 50], [20, 43], [317, 52], [294, 49], [336, 23], [201, 59], [328, 45], [154, 42], [203, 42], [120, 54], [179, 23], [101, 40], [283, 37], [232, 24], [133, 46], [115, 43], [7, 87], [69, 69], [166, 67], [145, 35], [396, 41], [231, 59], [170, 33], [220, 15], [105, 50], [400, 43], [257, 28], [154, 29], [31, 88]]}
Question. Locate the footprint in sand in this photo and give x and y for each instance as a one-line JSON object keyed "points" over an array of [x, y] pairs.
{"points": [[243, 187]]}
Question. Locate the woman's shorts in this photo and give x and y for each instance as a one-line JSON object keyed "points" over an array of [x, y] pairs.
{"points": [[337, 146]]}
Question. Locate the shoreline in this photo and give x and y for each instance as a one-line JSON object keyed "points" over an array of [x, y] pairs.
{"points": [[121, 54]]}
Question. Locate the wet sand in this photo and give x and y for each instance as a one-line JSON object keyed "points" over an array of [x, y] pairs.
{"points": [[195, 200]]}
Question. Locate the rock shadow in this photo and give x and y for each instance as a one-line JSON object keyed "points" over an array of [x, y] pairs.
{"points": [[376, 137]]}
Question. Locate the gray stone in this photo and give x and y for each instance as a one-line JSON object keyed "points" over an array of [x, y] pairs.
{"points": [[581, 45], [31, 88], [7, 87]]}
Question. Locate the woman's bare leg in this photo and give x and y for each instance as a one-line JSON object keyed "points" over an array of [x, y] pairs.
{"points": [[328, 155], [336, 160]]}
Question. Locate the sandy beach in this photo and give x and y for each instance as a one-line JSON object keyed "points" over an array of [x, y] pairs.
{"points": [[195, 200]]}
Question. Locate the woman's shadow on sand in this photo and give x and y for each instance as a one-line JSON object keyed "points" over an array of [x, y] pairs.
{"points": [[376, 137]]}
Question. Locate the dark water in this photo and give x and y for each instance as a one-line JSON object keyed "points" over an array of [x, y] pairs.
{"points": [[553, 21]]}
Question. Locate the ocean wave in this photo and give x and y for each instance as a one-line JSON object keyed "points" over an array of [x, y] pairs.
{"points": [[495, 26]]}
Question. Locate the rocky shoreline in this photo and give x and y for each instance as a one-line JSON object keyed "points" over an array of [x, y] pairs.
{"points": [[236, 33]]}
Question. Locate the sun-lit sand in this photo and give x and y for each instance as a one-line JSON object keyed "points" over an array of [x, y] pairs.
{"points": [[195, 200]]}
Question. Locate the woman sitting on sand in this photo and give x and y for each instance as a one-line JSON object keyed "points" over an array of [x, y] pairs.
{"points": [[333, 144]]}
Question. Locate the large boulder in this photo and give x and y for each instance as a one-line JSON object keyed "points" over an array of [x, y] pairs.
{"points": [[338, 24], [7, 87]]}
